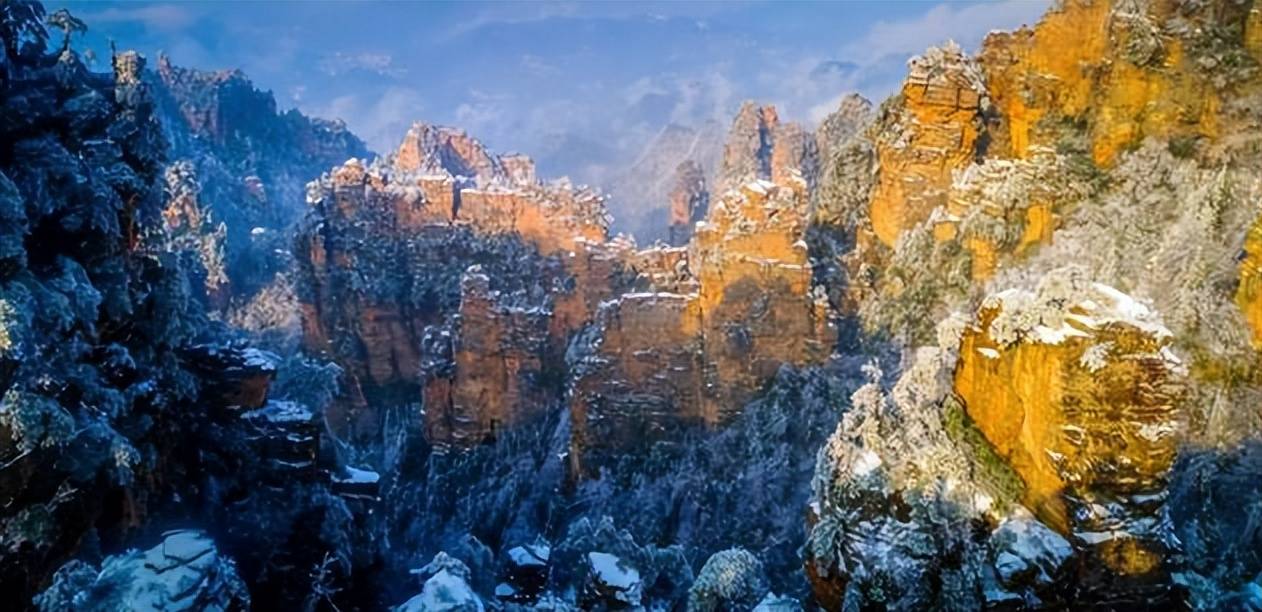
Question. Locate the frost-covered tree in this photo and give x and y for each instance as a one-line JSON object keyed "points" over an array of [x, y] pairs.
{"points": [[731, 579]]}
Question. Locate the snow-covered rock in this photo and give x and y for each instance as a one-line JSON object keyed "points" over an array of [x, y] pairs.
{"points": [[445, 591], [611, 582], [185, 572], [1028, 553]]}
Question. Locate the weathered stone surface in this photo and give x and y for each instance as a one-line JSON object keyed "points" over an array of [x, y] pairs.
{"points": [[286, 438], [656, 361], [933, 127], [489, 368], [689, 201], [1126, 69], [384, 287], [757, 301], [237, 378], [1076, 388], [760, 147], [554, 218], [1249, 291], [436, 150]]}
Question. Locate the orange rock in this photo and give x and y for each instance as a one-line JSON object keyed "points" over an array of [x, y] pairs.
{"points": [[932, 129], [1087, 409], [760, 147], [1249, 292], [429, 149], [494, 379], [378, 279], [665, 359], [646, 379], [1079, 64], [554, 219]]}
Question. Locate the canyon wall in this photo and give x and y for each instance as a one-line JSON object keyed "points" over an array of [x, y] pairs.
{"points": [[1110, 138], [450, 276]]}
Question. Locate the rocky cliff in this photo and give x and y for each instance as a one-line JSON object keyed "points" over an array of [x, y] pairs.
{"points": [[1086, 407], [449, 273], [237, 173], [502, 270], [1094, 139], [1048, 425], [761, 147], [658, 360]]}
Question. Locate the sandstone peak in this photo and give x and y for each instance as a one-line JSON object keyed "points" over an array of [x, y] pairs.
{"points": [[760, 146], [447, 151], [689, 200]]}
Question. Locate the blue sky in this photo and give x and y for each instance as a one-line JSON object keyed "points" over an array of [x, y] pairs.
{"points": [[582, 87]]}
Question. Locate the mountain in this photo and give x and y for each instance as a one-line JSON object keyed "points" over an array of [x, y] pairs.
{"points": [[640, 193], [1057, 223], [244, 163], [991, 344]]}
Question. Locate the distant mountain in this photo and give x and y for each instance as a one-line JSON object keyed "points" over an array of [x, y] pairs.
{"points": [[640, 195]]}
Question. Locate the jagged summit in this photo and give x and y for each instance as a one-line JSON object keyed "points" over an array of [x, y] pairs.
{"points": [[760, 146], [438, 150], [642, 191]]}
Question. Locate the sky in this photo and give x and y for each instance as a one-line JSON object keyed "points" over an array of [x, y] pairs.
{"points": [[581, 87]]}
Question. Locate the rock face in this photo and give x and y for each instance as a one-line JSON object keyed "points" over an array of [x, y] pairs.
{"points": [[659, 360], [389, 286], [1128, 70], [933, 127], [238, 378], [1054, 428], [239, 168], [689, 201], [1249, 291], [500, 272], [436, 150], [488, 367], [286, 436], [1085, 405], [761, 147]]}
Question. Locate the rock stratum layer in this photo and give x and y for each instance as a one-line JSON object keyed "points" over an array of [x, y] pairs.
{"points": [[451, 274], [385, 256], [700, 356]]}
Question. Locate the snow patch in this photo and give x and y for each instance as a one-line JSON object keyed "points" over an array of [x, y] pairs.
{"points": [[866, 463], [613, 571], [355, 475]]}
